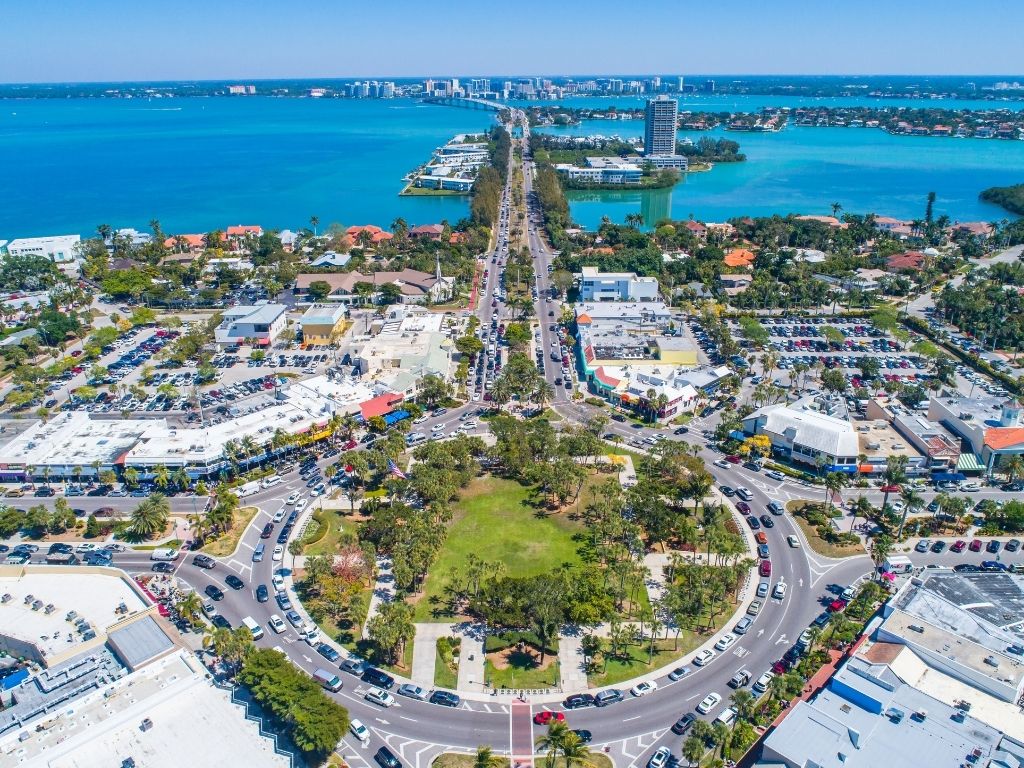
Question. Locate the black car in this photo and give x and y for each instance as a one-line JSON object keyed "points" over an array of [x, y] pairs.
{"points": [[579, 701], [262, 593], [163, 567], [681, 430], [583, 735], [385, 758], [234, 582], [267, 530], [727, 491], [378, 678], [966, 568], [328, 652], [993, 546], [203, 561], [220, 622], [754, 523], [823, 619], [445, 699], [1013, 545], [60, 549], [767, 522], [684, 723], [214, 592], [939, 547], [282, 537]]}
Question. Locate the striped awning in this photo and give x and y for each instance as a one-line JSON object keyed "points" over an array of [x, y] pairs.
{"points": [[970, 462]]}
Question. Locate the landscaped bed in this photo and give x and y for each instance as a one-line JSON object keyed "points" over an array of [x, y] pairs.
{"points": [[227, 542], [811, 532]]}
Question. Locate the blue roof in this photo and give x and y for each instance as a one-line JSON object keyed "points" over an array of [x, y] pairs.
{"points": [[395, 416], [14, 679]]}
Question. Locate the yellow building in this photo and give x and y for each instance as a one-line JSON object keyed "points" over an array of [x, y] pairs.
{"points": [[322, 323]]}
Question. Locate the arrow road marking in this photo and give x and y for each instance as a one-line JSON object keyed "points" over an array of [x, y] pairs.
{"points": [[781, 640]]}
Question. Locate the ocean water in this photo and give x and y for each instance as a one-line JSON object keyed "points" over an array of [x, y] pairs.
{"points": [[198, 164], [67, 165], [805, 170]]}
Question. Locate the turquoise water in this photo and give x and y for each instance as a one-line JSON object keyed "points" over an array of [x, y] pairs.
{"points": [[197, 164], [202, 163], [805, 170]]}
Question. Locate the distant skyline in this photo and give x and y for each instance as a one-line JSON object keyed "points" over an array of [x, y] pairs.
{"points": [[116, 40]]}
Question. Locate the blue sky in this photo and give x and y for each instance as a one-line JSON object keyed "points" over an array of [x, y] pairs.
{"points": [[87, 40]]}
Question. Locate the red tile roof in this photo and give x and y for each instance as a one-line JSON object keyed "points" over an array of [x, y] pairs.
{"points": [[1004, 437], [380, 405], [244, 229], [908, 260], [739, 257]]}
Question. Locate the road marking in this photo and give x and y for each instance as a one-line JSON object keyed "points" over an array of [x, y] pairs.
{"points": [[382, 721], [781, 640], [410, 719], [629, 719]]}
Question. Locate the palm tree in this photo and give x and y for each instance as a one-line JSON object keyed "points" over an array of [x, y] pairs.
{"points": [[881, 547], [1012, 467], [189, 607], [104, 231], [150, 516], [895, 474], [161, 477], [834, 483], [912, 502], [554, 740], [314, 222], [485, 758], [836, 208], [694, 749], [575, 751], [634, 220]]}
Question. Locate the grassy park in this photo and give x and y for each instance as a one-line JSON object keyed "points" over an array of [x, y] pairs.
{"points": [[227, 542]]}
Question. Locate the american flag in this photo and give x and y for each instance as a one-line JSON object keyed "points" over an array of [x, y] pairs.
{"points": [[394, 470]]}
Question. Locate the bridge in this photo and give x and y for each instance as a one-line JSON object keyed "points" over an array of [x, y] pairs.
{"points": [[466, 103]]}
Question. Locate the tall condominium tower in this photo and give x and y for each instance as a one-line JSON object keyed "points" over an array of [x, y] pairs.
{"points": [[660, 130]]}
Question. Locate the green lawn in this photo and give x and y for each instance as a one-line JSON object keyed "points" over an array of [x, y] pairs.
{"points": [[324, 540], [522, 673], [444, 676], [226, 543], [497, 521]]}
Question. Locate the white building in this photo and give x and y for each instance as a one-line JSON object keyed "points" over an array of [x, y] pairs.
{"points": [[603, 170], [62, 250], [616, 286], [262, 322], [807, 436]]}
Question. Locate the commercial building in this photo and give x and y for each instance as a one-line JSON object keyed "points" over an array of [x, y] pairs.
{"points": [[409, 341], [616, 286], [261, 323], [603, 170], [804, 435], [322, 323], [62, 250], [992, 427], [660, 127], [667, 390]]}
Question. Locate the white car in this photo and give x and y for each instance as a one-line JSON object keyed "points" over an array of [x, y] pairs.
{"points": [[278, 581], [380, 697], [277, 624], [721, 463], [793, 541], [970, 487], [312, 636], [279, 515], [437, 428], [643, 688], [780, 590], [301, 505], [85, 548], [421, 420], [209, 610], [763, 682], [774, 474], [660, 758], [292, 498], [704, 657], [726, 641], [278, 554], [709, 702], [360, 731]]}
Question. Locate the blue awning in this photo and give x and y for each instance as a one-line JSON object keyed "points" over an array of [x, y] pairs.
{"points": [[848, 468], [948, 477], [395, 416]]}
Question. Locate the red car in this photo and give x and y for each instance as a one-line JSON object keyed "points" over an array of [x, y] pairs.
{"points": [[976, 545], [890, 489], [546, 718], [959, 546], [733, 459], [765, 569], [743, 507], [837, 605], [350, 445]]}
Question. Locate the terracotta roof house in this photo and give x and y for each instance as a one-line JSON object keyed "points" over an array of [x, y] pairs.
{"points": [[188, 242], [910, 261], [739, 257], [380, 405], [376, 233], [432, 231], [243, 230], [832, 221], [696, 228], [976, 228], [414, 285]]}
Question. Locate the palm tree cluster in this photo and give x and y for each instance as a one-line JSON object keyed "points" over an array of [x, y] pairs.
{"points": [[219, 516], [150, 516], [561, 742]]}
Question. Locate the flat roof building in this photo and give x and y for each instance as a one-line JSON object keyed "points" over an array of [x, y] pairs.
{"points": [[261, 323], [596, 285], [62, 250], [992, 426], [660, 116], [322, 323]]}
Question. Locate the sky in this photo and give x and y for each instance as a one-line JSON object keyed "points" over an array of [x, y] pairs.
{"points": [[118, 40]]}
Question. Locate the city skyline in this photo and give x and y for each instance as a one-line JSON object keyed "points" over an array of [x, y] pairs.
{"points": [[143, 45]]}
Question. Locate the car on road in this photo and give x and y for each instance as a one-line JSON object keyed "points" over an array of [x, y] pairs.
{"points": [[743, 507], [445, 699], [763, 683], [779, 592], [579, 701], [793, 541], [328, 652], [661, 758], [764, 586], [727, 491], [643, 688], [546, 717], [163, 567], [678, 673], [359, 731], [767, 522], [754, 608], [583, 735], [774, 474], [377, 678], [754, 523], [214, 592], [703, 658], [721, 463], [294, 619], [220, 622], [726, 641], [609, 696], [683, 724], [709, 702], [292, 498], [267, 531], [278, 554], [763, 552], [379, 697], [743, 625], [412, 691], [740, 679], [204, 561], [353, 665], [385, 758], [765, 569], [234, 582], [209, 610], [776, 508], [262, 593], [311, 636]]}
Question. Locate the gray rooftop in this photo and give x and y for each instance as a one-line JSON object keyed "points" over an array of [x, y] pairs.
{"points": [[139, 642], [995, 599]]}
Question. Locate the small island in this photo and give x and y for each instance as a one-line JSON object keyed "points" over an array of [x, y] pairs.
{"points": [[1011, 198]]}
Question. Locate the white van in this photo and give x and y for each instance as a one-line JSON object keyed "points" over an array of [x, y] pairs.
{"points": [[726, 716], [270, 482], [164, 554], [249, 623]]}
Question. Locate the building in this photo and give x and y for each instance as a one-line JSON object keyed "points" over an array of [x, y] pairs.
{"points": [[428, 231], [806, 436], [940, 449], [660, 126], [595, 285], [261, 323], [407, 339], [733, 285], [62, 250], [331, 259], [370, 233], [670, 390], [289, 240], [739, 258], [909, 261], [992, 428], [603, 170], [323, 323], [414, 287]]}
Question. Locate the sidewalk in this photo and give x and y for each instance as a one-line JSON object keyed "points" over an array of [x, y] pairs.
{"points": [[573, 675], [383, 590], [471, 661], [424, 652]]}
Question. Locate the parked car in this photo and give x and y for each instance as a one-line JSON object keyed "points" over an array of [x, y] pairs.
{"points": [[709, 702]]}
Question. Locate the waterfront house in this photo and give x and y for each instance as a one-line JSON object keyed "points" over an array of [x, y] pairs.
{"points": [[696, 229], [739, 257], [832, 221], [185, 243], [373, 232], [429, 231], [910, 261], [62, 250]]}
